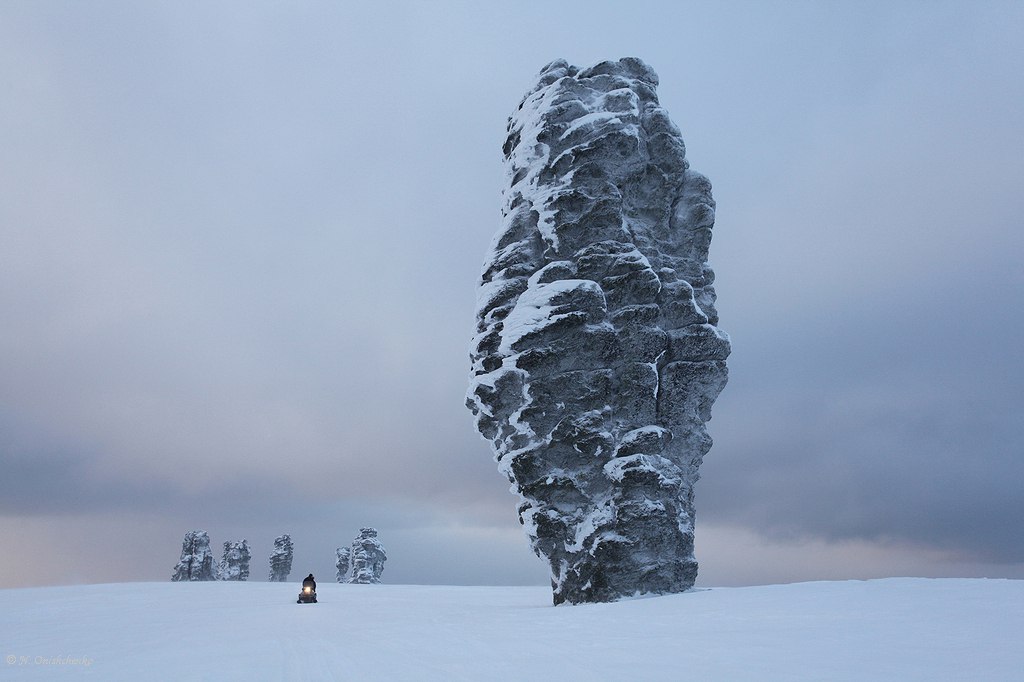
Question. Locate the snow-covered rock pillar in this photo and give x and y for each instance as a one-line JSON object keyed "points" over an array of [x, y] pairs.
{"points": [[235, 562], [281, 559], [196, 562], [363, 560], [597, 356], [367, 557], [343, 563]]}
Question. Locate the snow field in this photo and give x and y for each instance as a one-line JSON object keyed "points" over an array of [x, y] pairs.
{"points": [[894, 629]]}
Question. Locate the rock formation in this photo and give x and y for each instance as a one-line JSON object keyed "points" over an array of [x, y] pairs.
{"points": [[597, 357], [281, 559], [343, 562], [196, 561], [363, 561], [234, 565]]}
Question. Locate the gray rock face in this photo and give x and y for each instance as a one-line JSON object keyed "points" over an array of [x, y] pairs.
{"points": [[196, 563], [343, 563], [281, 559], [234, 565], [363, 561], [597, 356]]}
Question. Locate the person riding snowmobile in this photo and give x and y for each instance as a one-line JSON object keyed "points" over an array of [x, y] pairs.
{"points": [[307, 595]]}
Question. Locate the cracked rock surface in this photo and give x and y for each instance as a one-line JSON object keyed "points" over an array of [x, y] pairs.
{"points": [[597, 356]]}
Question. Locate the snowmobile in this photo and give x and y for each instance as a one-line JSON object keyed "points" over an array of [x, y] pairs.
{"points": [[307, 595]]}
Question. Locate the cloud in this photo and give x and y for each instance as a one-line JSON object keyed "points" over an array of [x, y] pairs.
{"points": [[238, 253], [877, 426], [735, 555]]}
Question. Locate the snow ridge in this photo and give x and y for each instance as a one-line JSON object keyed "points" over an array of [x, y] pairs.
{"points": [[597, 358]]}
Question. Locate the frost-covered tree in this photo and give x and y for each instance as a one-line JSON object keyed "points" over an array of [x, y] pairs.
{"points": [[234, 565], [343, 563], [597, 356], [363, 561], [281, 559], [196, 561]]}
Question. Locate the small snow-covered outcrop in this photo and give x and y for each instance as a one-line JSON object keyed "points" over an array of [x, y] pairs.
{"points": [[363, 561], [597, 356], [196, 561], [281, 559]]}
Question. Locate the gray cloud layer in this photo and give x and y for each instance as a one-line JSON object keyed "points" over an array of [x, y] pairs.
{"points": [[239, 246]]}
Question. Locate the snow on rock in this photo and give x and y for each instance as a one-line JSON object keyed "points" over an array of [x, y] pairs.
{"points": [[235, 562], [281, 559], [596, 333], [368, 557], [196, 563], [343, 563], [363, 561]]}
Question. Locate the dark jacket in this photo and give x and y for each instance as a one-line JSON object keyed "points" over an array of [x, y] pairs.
{"points": [[309, 581]]}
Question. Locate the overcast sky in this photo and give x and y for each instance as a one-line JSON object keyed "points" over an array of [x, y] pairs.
{"points": [[239, 246]]}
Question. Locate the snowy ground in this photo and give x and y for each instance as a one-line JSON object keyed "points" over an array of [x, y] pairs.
{"points": [[896, 629]]}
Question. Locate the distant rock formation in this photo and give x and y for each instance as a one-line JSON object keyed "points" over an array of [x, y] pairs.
{"points": [[234, 565], [343, 563], [196, 561], [597, 356], [363, 561], [281, 559]]}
